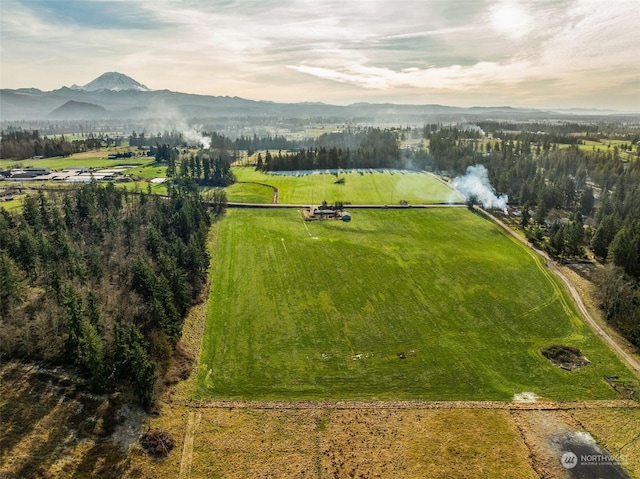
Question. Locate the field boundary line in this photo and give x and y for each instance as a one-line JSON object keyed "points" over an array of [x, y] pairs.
{"points": [[405, 405], [630, 361]]}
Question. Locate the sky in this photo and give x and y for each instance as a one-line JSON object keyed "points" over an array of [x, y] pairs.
{"points": [[524, 53]]}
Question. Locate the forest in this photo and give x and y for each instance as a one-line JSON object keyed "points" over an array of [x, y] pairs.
{"points": [[102, 280], [21, 144]]}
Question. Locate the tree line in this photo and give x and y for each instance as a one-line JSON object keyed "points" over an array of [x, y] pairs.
{"points": [[22, 144], [102, 280], [368, 148]]}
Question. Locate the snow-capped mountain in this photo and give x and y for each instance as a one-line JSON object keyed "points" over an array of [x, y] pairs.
{"points": [[113, 81]]}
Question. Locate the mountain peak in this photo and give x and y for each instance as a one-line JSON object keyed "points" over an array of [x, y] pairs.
{"points": [[113, 81]]}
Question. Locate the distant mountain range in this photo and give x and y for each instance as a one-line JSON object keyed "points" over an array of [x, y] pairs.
{"points": [[114, 95]]}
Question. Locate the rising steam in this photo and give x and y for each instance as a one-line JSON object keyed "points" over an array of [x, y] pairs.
{"points": [[475, 185], [194, 137], [167, 118]]}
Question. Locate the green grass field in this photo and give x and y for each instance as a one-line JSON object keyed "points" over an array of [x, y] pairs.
{"points": [[59, 163], [324, 309], [366, 188], [248, 193]]}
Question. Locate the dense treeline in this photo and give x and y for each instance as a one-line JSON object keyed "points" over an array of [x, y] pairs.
{"points": [[102, 280], [218, 141], [172, 139], [18, 144], [560, 128], [368, 148], [616, 238], [556, 190], [255, 143]]}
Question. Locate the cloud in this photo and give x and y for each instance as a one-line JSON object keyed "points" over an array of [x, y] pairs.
{"points": [[454, 77], [576, 44], [304, 50]]}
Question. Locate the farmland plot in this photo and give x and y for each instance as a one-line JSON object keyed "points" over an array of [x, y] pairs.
{"points": [[410, 304]]}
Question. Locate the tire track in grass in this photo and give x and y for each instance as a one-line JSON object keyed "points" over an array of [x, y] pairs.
{"points": [[630, 361], [186, 460]]}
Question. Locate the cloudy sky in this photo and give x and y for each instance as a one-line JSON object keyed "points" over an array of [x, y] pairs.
{"points": [[540, 53]]}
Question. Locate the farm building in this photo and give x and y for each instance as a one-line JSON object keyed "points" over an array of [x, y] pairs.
{"points": [[28, 173], [326, 213]]}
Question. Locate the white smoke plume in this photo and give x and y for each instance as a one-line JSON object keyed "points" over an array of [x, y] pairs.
{"points": [[194, 137], [475, 184], [168, 118], [470, 127]]}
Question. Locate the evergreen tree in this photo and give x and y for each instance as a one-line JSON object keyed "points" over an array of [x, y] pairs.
{"points": [[625, 248], [574, 236], [541, 213], [10, 284], [604, 235]]}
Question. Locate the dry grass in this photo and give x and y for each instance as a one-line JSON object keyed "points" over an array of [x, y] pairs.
{"points": [[330, 443], [50, 428]]}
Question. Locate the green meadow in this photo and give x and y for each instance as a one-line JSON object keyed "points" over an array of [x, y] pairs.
{"points": [[75, 161], [434, 304], [358, 188]]}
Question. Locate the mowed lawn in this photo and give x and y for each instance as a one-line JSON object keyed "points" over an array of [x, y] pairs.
{"points": [[432, 304], [378, 188]]}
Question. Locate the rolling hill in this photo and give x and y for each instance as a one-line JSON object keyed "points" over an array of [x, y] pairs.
{"points": [[123, 97]]}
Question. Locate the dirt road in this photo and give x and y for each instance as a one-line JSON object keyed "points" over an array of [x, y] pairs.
{"points": [[631, 361]]}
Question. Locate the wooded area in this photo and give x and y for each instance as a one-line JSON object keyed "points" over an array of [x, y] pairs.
{"points": [[102, 280], [368, 148], [19, 144]]}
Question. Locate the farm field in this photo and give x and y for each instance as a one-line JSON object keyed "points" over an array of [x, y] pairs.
{"points": [[88, 160], [410, 304], [358, 188]]}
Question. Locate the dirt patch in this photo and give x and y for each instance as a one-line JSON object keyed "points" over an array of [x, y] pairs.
{"points": [[157, 443], [584, 458], [525, 397], [565, 357], [561, 448], [629, 389]]}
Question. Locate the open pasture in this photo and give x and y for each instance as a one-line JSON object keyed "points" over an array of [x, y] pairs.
{"points": [[398, 304], [95, 160], [379, 188]]}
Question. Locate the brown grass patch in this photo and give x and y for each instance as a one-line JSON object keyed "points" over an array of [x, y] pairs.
{"points": [[51, 428], [333, 443]]}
